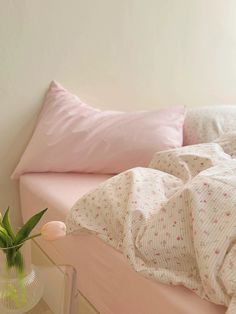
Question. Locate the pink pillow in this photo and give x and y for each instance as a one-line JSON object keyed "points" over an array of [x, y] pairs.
{"points": [[71, 136]]}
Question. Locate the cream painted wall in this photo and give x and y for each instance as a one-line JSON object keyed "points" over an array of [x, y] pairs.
{"points": [[125, 54]]}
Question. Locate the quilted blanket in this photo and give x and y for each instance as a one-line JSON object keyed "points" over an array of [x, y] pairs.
{"points": [[175, 221]]}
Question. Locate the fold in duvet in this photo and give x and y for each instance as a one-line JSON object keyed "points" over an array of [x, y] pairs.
{"points": [[175, 222]]}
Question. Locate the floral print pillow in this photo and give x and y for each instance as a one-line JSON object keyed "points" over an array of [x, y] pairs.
{"points": [[206, 124]]}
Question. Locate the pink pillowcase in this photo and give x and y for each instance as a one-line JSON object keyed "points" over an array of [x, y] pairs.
{"points": [[71, 136]]}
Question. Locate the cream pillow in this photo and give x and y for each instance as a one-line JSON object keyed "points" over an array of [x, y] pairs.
{"points": [[205, 124]]}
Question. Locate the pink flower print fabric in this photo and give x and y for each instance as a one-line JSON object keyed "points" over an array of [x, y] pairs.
{"points": [[175, 224], [228, 142], [186, 162], [206, 124]]}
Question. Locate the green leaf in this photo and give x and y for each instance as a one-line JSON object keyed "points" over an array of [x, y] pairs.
{"points": [[7, 224], [5, 237], [2, 243], [24, 232]]}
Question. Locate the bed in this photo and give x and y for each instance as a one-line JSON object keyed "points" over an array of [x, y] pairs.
{"points": [[105, 279], [76, 147]]}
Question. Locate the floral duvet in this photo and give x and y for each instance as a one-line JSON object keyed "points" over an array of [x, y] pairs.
{"points": [[175, 221]]}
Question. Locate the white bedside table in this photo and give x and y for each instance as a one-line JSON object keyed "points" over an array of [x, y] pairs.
{"points": [[59, 284]]}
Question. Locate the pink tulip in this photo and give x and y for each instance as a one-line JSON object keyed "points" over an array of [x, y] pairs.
{"points": [[53, 230]]}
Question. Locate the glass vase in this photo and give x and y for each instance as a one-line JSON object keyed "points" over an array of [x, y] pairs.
{"points": [[21, 286]]}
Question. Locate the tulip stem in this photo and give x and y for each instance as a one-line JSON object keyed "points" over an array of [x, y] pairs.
{"points": [[33, 236]]}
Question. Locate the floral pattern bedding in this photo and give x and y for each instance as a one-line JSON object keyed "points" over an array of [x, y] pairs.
{"points": [[175, 221]]}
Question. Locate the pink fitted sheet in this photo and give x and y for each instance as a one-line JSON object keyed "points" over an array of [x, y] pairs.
{"points": [[104, 276]]}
